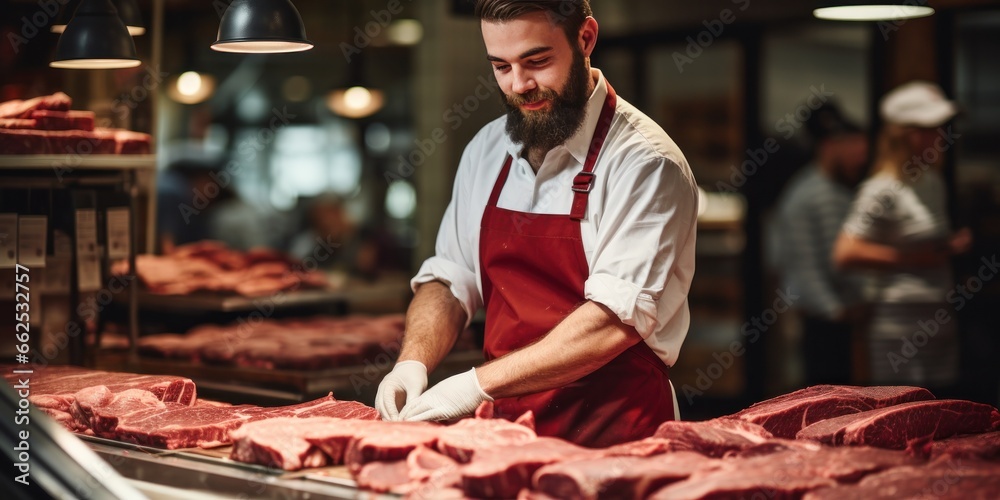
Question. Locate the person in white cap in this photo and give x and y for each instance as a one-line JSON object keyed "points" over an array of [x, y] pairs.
{"points": [[898, 226]]}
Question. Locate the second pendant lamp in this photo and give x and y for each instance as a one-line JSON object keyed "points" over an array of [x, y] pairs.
{"points": [[261, 26]]}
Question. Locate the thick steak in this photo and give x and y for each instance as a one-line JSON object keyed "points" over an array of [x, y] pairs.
{"points": [[461, 440], [786, 415], [617, 477], [280, 442], [502, 471], [897, 426], [714, 437], [985, 446], [389, 441]]}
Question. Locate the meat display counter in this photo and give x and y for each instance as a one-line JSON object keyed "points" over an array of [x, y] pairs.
{"points": [[194, 473]]}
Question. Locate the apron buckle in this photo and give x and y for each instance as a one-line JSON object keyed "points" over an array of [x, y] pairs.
{"points": [[583, 182]]}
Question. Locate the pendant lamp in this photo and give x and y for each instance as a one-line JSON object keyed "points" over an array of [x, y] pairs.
{"points": [[871, 10], [96, 38], [128, 11], [261, 26]]}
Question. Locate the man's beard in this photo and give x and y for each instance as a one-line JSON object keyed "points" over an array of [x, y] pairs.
{"points": [[546, 129]]}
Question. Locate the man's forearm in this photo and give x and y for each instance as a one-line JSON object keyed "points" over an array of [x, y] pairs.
{"points": [[584, 341], [433, 321]]}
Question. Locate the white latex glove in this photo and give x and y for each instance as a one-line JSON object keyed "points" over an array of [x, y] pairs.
{"points": [[454, 397], [400, 386]]}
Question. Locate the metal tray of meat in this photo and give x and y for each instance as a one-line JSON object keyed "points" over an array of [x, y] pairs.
{"points": [[210, 471]]}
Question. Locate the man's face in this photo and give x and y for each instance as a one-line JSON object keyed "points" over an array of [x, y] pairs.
{"points": [[850, 157], [543, 77]]}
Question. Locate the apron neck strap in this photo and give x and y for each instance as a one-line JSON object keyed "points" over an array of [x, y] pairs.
{"points": [[584, 181]]}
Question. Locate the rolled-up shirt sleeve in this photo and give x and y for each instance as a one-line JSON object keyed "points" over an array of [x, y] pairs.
{"points": [[454, 261], [643, 259]]}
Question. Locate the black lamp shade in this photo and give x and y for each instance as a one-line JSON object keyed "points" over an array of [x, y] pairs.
{"points": [[96, 38], [128, 11], [261, 26]]}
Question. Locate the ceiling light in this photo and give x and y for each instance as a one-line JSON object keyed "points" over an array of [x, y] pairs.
{"points": [[405, 32], [861, 11], [95, 38], [355, 102], [191, 88], [261, 26]]}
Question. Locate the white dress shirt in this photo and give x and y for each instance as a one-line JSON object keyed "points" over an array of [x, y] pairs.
{"points": [[639, 231]]}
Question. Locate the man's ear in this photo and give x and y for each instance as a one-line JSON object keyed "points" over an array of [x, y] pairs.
{"points": [[588, 36]]}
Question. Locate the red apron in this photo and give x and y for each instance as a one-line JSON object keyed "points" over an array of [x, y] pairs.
{"points": [[534, 269]]}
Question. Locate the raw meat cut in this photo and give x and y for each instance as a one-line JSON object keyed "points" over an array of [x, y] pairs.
{"points": [[55, 386], [333, 440], [774, 446], [280, 443], [952, 479], [646, 447], [99, 409], [786, 415], [843, 464], [773, 476], [213, 267], [461, 440], [985, 446], [422, 474], [20, 123], [310, 344], [502, 471], [713, 437], [207, 426], [389, 441], [617, 477], [22, 109], [384, 477], [787, 473], [20, 141], [897, 426], [63, 120]]}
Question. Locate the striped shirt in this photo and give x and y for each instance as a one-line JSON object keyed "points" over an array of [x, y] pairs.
{"points": [[810, 214]]}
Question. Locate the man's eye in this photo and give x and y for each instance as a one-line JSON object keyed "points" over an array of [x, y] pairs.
{"points": [[539, 62], [502, 67]]}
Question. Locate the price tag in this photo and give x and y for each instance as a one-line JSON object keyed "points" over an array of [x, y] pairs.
{"points": [[88, 265], [8, 240], [32, 231], [118, 233]]}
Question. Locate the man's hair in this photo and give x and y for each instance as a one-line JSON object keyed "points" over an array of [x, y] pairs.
{"points": [[568, 14]]}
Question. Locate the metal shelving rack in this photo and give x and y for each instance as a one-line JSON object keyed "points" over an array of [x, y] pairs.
{"points": [[97, 172]]}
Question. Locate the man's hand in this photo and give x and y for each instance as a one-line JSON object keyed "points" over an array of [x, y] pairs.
{"points": [[453, 397], [402, 385]]}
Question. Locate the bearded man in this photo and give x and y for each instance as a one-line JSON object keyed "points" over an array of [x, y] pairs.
{"points": [[572, 221]]}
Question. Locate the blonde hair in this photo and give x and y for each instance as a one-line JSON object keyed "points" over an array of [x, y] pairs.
{"points": [[894, 150]]}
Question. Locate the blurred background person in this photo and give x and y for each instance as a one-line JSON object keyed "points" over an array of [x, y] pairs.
{"points": [[898, 226], [811, 212], [195, 202], [338, 243]]}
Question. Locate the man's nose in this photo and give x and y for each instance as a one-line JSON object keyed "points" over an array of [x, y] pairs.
{"points": [[523, 81]]}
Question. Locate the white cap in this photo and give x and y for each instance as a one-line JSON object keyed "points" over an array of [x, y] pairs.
{"points": [[918, 103]]}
